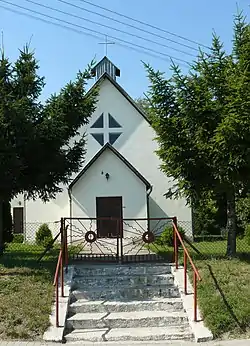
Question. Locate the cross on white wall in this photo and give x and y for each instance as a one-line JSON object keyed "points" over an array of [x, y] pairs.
{"points": [[107, 127]]}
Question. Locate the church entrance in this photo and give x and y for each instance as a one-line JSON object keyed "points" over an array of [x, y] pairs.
{"points": [[108, 214]]}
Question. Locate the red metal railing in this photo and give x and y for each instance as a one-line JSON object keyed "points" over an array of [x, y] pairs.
{"points": [[61, 263], [196, 275]]}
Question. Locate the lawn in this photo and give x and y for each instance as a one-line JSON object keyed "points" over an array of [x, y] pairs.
{"points": [[26, 291], [224, 296], [224, 292]]}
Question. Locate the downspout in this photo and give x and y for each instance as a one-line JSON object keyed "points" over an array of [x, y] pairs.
{"points": [[70, 214], [148, 215]]}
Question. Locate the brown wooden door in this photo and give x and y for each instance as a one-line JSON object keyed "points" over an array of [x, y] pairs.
{"points": [[109, 207], [18, 219]]}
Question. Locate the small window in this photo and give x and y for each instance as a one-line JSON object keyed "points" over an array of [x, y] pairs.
{"points": [[99, 137], [98, 124], [113, 137], [113, 123]]}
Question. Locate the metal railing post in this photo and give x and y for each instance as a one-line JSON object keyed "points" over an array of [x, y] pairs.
{"points": [[195, 297], [185, 272], [57, 305], [62, 278], [175, 243], [196, 275]]}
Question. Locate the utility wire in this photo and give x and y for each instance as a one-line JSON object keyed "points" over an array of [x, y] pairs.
{"points": [[107, 26], [130, 46], [127, 24], [146, 24], [96, 32]]}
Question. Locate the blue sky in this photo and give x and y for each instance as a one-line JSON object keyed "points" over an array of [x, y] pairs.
{"points": [[62, 53]]}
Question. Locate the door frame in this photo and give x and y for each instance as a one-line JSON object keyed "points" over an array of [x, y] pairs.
{"points": [[120, 221]]}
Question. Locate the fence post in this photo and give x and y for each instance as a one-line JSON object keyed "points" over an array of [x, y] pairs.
{"points": [[121, 238], [63, 254], [175, 243], [66, 248], [117, 239], [61, 231]]}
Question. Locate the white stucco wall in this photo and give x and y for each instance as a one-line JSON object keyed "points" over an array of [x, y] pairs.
{"points": [[36, 212], [138, 146], [122, 182]]}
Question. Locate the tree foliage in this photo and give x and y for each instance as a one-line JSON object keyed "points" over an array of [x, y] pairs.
{"points": [[144, 104], [39, 146], [7, 222], [203, 125]]}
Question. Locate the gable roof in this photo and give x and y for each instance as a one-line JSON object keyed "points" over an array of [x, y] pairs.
{"points": [[122, 91], [117, 70], [121, 157]]}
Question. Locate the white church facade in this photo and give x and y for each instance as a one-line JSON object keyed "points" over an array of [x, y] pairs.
{"points": [[121, 177]]}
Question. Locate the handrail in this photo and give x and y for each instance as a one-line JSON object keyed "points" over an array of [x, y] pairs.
{"points": [[186, 256], [62, 260], [59, 266]]}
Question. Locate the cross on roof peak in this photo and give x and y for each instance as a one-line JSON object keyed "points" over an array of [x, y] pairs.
{"points": [[106, 43]]}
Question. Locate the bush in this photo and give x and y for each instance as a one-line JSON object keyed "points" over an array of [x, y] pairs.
{"points": [[167, 236], [44, 235], [247, 234], [18, 238]]}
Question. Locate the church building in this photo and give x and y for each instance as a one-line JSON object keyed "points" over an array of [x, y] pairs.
{"points": [[121, 176]]}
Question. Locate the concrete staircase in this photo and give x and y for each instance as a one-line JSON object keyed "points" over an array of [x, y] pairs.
{"points": [[137, 302]]}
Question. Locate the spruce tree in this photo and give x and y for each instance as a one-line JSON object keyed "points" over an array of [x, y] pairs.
{"points": [[202, 121], [39, 146]]}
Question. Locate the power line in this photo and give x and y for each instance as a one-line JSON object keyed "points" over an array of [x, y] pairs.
{"points": [[107, 26], [146, 24], [127, 24], [87, 34], [96, 32]]}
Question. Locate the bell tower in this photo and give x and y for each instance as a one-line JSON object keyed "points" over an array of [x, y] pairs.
{"points": [[105, 66]]}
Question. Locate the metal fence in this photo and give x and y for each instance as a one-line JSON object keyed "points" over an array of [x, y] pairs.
{"points": [[205, 245], [28, 236]]}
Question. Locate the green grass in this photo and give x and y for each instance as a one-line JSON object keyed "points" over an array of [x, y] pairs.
{"points": [[26, 291], [224, 292], [224, 296]]}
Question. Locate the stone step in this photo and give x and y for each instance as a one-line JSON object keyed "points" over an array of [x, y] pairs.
{"points": [[134, 280], [131, 334], [134, 319], [121, 270], [126, 293], [83, 306]]}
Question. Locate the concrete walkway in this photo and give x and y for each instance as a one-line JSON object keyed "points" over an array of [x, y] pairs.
{"points": [[166, 343]]}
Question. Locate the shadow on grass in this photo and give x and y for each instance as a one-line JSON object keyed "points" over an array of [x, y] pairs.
{"points": [[27, 256], [209, 253], [167, 256], [27, 259], [225, 301]]}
